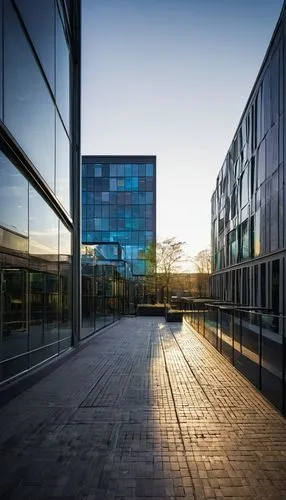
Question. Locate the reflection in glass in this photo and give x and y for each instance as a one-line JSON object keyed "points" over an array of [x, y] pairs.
{"points": [[62, 165], [28, 109], [62, 73], [43, 230], [39, 18], [13, 197]]}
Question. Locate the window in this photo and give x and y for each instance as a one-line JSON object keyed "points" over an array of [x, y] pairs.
{"points": [[29, 112]]}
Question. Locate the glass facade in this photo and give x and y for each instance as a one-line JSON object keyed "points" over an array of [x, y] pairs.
{"points": [[119, 204], [108, 287], [248, 204], [39, 49]]}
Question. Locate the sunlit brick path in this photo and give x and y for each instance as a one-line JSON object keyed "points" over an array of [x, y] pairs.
{"points": [[145, 410]]}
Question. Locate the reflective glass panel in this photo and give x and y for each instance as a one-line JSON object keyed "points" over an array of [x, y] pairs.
{"points": [[13, 198], [62, 165], [43, 228], [39, 18], [28, 109], [62, 73]]}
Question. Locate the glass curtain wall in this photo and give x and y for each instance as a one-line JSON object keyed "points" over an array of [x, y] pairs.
{"points": [[36, 225], [119, 204]]}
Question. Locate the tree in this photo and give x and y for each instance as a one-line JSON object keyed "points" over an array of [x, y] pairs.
{"points": [[163, 259], [202, 264]]}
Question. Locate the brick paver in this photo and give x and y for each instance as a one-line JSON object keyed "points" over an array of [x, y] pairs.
{"points": [[145, 410]]}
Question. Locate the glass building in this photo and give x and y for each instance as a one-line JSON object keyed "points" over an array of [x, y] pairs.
{"points": [[119, 204], [40, 181], [248, 204]]}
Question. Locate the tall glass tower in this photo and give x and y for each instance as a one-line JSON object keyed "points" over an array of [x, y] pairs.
{"points": [[119, 204]]}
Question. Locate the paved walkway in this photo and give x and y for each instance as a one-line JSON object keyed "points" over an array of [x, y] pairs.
{"points": [[145, 410]]}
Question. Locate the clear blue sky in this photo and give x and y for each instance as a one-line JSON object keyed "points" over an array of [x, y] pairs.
{"points": [[171, 78]]}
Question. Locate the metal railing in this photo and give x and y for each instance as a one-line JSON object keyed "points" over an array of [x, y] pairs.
{"points": [[253, 340]]}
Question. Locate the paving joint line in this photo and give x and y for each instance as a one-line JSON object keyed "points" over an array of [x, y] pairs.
{"points": [[190, 368], [177, 416]]}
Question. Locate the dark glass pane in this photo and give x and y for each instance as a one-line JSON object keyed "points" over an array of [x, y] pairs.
{"points": [[28, 109], [13, 198], [62, 73], [62, 165], [65, 297], [39, 19]]}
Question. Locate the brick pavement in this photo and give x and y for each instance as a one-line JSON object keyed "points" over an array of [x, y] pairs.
{"points": [[146, 410]]}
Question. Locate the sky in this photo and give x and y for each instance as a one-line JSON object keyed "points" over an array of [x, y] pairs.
{"points": [[171, 78]]}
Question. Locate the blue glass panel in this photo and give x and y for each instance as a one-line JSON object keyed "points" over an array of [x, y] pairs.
{"points": [[105, 184], [134, 183], [120, 199], [134, 198], [105, 171], [142, 170], [142, 211], [142, 198], [128, 199], [84, 198], [148, 210], [141, 238], [121, 224], [135, 211], [113, 225], [84, 225], [149, 197], [97, 210], [98, 184], [104, 237], [128, 252], [113, 211], [135, 170], [84, 183], [113, 170], [142, 184], [89, 237], [128, 224], [128, 211], [149, 184], [120, 184], [120, 170], [84, 211], [149, 170], [105, 197], [135, 238], [113, 184], [97, 171], [113, 198], [97, 224], [128, 184], [84, 170], [128, 170], [149, 224], [105, 211], [141, 223], [90, 212], [120, 211], [105, 224], [90, 170]]}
